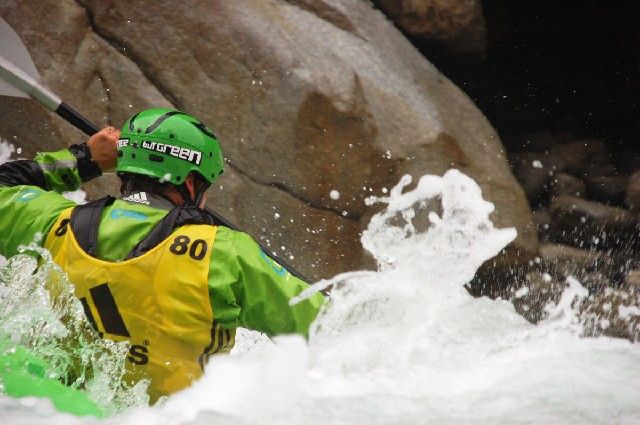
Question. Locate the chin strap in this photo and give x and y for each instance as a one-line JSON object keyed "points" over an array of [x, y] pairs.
{"points": [[186, 196], [199, 197]]}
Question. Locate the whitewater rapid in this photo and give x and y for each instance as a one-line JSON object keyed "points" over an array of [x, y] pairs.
{"points": [[407, 344]]}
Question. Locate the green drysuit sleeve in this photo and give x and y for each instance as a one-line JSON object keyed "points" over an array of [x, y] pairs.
{"points": [[249, 289], [29, 194]]}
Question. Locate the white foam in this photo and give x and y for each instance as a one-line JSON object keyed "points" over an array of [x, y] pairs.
{"points": [[6, 150], [78, 196]]}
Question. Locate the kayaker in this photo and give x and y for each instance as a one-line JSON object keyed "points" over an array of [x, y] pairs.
{"points": [[152, 267]]}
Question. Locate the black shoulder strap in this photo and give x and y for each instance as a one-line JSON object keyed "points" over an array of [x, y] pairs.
{"points": [[178, 216], [85, 221]]}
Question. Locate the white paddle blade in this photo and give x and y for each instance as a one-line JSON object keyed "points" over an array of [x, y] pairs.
{"points": [[14, 50], [27, 85], [7, 89], [18, 74]]}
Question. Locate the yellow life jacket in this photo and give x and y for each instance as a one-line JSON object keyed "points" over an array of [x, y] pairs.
{"points": [[159, 302]]}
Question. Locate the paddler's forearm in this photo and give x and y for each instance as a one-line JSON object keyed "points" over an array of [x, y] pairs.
{"points": [[29, 204], [59, 171]]}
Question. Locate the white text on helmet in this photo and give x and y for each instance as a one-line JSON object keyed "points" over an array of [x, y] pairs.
{"points": [[190, 155]]}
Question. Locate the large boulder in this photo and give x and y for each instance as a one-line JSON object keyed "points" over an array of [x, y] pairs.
{"points": [[307, 97]]}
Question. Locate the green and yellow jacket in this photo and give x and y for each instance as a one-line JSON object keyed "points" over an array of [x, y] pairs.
{"points": [[178, 300]]}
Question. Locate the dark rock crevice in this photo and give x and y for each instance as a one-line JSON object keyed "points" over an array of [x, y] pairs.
{"points": [[128, 53], [285, 189]]}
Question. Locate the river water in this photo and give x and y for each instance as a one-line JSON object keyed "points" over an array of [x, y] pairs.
{"points": [[407, 344]]}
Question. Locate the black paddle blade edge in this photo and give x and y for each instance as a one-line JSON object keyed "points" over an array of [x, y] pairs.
{"points": [[75, 119]]}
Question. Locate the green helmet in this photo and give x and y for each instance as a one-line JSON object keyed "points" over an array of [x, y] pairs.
{"points": [[168, 144]]}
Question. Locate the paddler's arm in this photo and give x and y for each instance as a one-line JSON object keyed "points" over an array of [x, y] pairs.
{"points": [[248, 289], [29, 204], [67, 169]]}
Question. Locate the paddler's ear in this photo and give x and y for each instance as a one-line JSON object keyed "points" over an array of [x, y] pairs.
{"points": [[190, 185]]}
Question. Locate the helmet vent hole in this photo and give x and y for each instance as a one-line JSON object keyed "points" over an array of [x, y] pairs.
{"points": [[120, 154], [133, 156], [171, 136], [178, 178], [156, 158], [139, 130], [210, 154]]}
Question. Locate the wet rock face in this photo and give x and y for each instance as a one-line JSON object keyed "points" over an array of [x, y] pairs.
{"points": [[538, 290], [306, 97], [613, 313], [632, 193], [455, 25], [566, 184], [586, 157], [585, 223], [577, 191], [586, 215], [535, 172], [610, 312], [609, 190], [611, 307]]}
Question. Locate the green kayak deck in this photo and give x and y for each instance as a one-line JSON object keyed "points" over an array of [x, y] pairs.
{"points": [[22, 374]]}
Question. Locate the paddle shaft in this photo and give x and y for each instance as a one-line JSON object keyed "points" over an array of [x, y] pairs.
{"points": [[75, 119]]}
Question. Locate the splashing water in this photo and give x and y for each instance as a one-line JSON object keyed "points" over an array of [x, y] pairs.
{"points": [[408, 345], [38, 310], [6, 150]]}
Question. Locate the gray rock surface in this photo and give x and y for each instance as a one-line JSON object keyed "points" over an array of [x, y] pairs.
{"points": [[306, 96]]}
